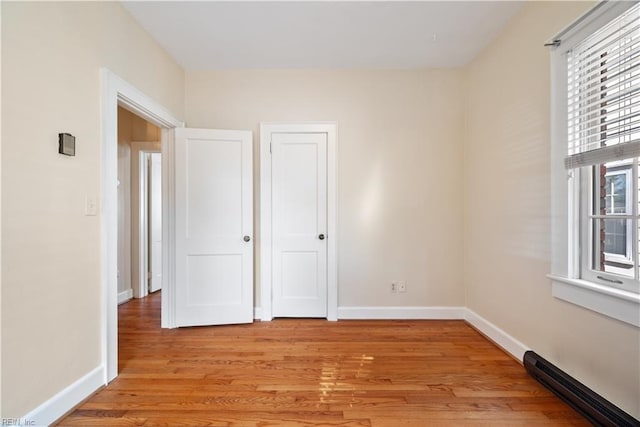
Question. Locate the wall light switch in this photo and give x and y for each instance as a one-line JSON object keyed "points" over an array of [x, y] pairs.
{"points": [[90, 206]]}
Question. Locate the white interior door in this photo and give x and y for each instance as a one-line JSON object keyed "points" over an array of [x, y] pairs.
{"points": [[155, 222], [299, 206], [214, 227]]}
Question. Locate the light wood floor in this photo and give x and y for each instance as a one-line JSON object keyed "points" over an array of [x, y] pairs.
{"points": [[312, 372]]}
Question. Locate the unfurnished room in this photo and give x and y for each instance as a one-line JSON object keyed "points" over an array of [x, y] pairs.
{"points": [[336, 213]]}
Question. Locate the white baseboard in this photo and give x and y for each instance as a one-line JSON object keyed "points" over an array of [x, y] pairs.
{"points": [[257, 313], [497, 335], [401, 313], [125, 296], [67, 399]]}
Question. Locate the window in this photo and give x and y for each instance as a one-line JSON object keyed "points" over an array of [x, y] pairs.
{"points": [[609, 219], [596, 144]]}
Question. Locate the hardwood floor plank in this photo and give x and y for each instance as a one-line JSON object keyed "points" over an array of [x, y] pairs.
{"points": [[422, 414], [306, 372]]}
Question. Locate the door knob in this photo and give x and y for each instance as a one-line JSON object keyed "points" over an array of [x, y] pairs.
{"points": [[321, 237], [247, 238]]}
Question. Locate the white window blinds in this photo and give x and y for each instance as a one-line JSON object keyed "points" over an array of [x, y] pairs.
{"points": [[604, 93]]}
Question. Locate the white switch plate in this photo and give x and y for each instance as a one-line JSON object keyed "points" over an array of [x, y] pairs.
{"points": [[90, 206]]}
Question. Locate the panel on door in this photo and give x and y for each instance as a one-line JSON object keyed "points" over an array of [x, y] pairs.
{"points": [[214, 227], [155, 222], [299, 209]]}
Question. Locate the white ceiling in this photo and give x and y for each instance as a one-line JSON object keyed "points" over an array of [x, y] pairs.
{"points": [[323, 34]]}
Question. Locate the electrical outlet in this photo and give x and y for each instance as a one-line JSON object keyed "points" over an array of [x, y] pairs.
{"points": [[402, 286], [394, 287]]}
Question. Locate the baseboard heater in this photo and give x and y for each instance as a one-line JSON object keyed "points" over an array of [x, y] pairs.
{"points": [[590, 404]]}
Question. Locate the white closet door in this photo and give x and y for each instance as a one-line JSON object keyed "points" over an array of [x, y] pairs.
{"points": [[299, 209]]}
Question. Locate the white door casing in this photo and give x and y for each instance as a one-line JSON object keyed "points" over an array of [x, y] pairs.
{"points": [[118, 92], [155, 221], [286, 242], [214, 227], [299, 224]]}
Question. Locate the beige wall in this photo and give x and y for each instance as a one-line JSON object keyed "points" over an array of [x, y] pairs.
{"points": [[399, 181], [133, 128], [51, 293], [507, 212]]}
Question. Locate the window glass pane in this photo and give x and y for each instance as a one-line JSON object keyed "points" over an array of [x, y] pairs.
{"points": [[616, 193], [612, 246], [612, 188], [615, 236]]}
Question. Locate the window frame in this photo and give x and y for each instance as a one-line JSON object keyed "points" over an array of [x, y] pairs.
{"points": [[586, 231], [567, 222]]}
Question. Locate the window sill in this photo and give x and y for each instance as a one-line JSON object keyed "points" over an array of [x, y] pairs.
{"points": [[615, 303]]}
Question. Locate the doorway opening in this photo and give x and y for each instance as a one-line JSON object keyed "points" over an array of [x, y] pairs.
{"points": [[119, 93], [139, 207]]}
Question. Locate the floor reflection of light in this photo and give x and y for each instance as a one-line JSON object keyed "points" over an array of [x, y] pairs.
{"points": [[340, 375]]}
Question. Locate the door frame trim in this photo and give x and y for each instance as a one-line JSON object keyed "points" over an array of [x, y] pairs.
{"points": [[265, 243], [118, 92]]}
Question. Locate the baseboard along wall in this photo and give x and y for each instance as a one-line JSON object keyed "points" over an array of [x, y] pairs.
{"points": [[54, 408], [401, 313], [125, 296]]}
